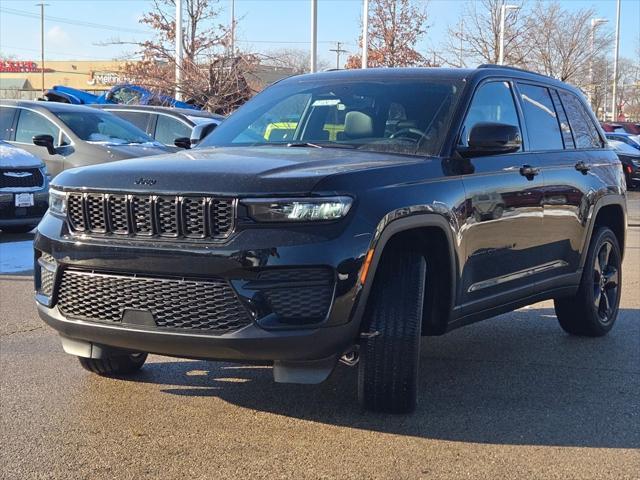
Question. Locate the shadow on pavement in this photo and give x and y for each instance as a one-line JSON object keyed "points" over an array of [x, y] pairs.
{"points": [[500, 382]]}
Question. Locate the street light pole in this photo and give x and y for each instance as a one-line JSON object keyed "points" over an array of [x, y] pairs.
{"points": [[42, 5], [314, 36], [614, 103], [233, 28], [179, 53], [365, 34], [594, 24], [503, 15]]}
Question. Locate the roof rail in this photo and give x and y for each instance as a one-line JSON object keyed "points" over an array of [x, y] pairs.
{"points": [[506, 67]]}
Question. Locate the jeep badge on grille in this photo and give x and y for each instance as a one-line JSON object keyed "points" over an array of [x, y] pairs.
{"points": [[145, 181]]}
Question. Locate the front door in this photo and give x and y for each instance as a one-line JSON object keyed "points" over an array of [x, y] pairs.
{"points": [[503, 214]]}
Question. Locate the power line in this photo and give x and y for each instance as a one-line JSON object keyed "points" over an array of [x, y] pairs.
{"points": [[338, 51]]}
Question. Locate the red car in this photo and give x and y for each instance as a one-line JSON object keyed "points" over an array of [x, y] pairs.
{"points": [[630, 127]]}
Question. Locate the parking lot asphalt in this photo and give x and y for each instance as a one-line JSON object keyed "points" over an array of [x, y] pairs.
{"points": [[510, 397]]}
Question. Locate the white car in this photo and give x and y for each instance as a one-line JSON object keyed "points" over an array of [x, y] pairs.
{"points": [[24, 189]]}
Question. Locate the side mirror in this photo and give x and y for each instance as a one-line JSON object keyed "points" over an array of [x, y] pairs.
{"points": [[45, 141], [182, 142], [488, 138]]}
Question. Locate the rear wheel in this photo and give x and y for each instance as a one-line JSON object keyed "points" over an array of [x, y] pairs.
{"points": [[114, 365], [594, 309], [390, 348]]}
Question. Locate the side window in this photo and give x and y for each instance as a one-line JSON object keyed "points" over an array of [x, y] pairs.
{"points": [[126, 95], [584, 131], [541, 118], [564, 123], [31, 124], [6, 122], [168, 129], [139, 119], [492, 102]]}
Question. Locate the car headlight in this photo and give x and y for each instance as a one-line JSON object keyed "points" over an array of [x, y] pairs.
{"points": [[298, 209], [57, 202]]}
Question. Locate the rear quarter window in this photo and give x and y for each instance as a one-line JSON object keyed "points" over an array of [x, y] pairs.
{"points": [[584, 131]]}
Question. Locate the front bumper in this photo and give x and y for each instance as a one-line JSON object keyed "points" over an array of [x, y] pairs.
{"points": [[240, 263], [10, 215]]}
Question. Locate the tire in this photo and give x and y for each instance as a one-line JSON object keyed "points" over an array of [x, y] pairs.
{"points": [[115, 365], [17, 228], [389, 356], [594, 309]]}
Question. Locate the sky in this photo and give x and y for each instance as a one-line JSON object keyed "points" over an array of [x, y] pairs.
{"points": [[76, 28]]}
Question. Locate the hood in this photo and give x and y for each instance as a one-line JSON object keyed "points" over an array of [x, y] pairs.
{"points": [[229, 171], [14, 157], [122, 152]]}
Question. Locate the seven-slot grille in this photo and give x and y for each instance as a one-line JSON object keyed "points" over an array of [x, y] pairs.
{"points": [[151, 215], [22, 177]]}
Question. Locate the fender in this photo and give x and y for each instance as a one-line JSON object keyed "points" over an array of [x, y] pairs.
{"points": [[606, 200], [380, 241]]}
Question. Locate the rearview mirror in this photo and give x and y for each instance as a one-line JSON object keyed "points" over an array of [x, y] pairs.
{"points": [[182, 142], [488, 138], [45, 141]]}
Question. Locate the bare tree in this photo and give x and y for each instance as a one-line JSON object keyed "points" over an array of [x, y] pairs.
{"points": [[210, 77], [476, 37], [295, 59], [561, 43], [395, 26]]}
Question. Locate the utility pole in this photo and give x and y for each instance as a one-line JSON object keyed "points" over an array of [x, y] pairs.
{"points": [[461, 61], [179, 52], [594, 24], [233, 28], [365, 34], [42, 5], [503, 14], [314, 36], [614, 100], [338, 51]]}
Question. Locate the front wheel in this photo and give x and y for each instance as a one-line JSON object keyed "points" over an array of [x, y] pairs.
{"points": [[594, 309], [390, 348], [123, 364]]}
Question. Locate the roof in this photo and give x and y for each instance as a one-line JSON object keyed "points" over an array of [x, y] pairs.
{"points": [[49, 106], [153, 108], [15, 84]]}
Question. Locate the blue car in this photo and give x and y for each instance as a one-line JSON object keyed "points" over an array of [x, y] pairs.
{"points": [[629, 139], [126, 94]]}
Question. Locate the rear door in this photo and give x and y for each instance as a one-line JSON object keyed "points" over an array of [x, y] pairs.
{"points": [[503, 214]]}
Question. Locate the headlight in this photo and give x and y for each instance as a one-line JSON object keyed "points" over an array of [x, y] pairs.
{"points": [[298, 209], [57, 202]]}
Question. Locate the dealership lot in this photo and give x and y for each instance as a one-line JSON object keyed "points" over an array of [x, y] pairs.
{"points": [[509, 397]]}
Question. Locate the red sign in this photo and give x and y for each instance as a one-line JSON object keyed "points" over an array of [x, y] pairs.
{"points": [[20, 66]]}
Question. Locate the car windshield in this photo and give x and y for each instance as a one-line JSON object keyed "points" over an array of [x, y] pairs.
{"points": [[102, 127], [622, 147], [403, 116]]}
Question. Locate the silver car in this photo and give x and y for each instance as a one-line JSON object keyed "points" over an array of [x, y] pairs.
{"points": [[66, 136]]}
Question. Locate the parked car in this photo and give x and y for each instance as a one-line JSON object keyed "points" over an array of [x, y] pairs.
{"points": [[168, 125], [125, 93], [305, 250], [631, 140], [66, 136], [24, 189], [630, 159], [632, 128]]}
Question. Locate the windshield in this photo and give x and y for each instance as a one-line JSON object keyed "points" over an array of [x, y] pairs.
{"points": [[622, 147], [403, 116], [102, 127]]}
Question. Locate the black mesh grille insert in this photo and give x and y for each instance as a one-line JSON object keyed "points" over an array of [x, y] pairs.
{"points": [[196, 217], [183, 304], [21, 177]]}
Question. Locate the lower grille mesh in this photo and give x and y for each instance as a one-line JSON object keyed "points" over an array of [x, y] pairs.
{"points": [[182, 304]]}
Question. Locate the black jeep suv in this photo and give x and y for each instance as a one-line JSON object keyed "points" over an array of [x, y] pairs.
{"points": [[341, 215]]}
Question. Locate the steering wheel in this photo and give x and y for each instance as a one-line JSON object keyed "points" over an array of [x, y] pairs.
{"points": [[402, 133]]}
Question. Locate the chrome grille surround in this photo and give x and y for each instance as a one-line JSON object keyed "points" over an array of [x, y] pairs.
{"points": [[177, 217]]}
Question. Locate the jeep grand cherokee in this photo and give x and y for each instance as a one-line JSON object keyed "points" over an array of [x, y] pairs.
{"points": [[383, 205]]}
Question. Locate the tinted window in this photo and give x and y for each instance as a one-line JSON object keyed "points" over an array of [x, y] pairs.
{"points": [[492, 102], [168, 129], [6, 122], [31, 124], [139, 119], [541, 118], [346, 113], [564, 123], [584, 131]]}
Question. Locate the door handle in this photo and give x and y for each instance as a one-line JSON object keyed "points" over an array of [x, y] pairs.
{"points": [[582, 167], [529, 171]]}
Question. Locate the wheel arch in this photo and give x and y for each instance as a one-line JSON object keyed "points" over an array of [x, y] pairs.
{"points": [[609, 211], [432, 235]]}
